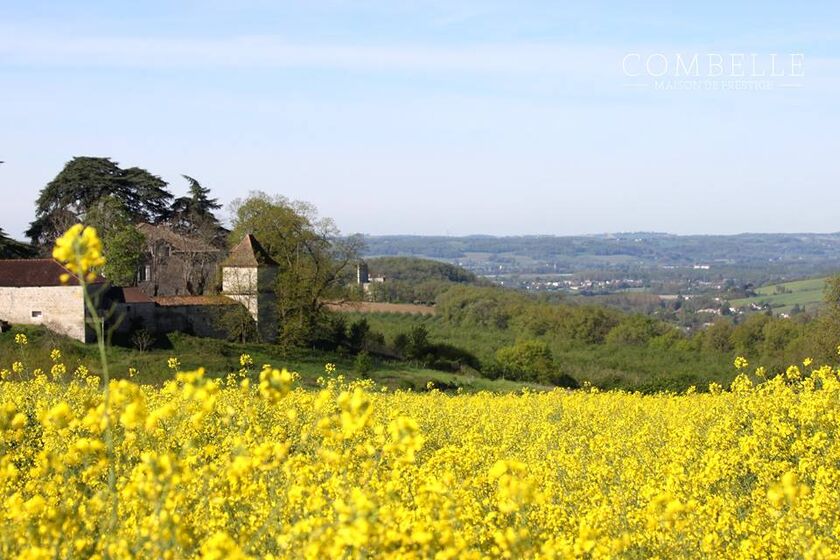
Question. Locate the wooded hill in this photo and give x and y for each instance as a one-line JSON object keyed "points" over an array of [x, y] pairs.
{"points": [[415, 280]]}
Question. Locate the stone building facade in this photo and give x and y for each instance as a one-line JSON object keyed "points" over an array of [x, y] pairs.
{"points": [[175, 264], [31, 293], [249, 276]]}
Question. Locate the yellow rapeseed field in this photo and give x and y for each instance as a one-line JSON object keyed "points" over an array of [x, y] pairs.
{"points": [[226, 468], [230, 468]]}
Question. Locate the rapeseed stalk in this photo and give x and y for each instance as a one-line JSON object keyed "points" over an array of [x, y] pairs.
{"points": [[80, 251]]}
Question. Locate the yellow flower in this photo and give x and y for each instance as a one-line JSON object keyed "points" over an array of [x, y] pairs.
{"points": [[57, 371], [274, 383], [21, 339], [209, 469], [80, 250], [173, 363], [59, 416], [55, 354], [741, 363], [221, 547]]}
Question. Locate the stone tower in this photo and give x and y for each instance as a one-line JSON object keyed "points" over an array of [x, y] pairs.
{"points": [[362, 274], [249, 276]]}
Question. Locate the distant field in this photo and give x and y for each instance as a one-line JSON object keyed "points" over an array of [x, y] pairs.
{"points": [[373, 307], [807, 294]]}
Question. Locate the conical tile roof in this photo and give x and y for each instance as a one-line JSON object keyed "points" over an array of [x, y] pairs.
{"points": [[248, 253]]}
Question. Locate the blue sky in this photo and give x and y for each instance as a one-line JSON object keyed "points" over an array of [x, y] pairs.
{"points": [[438, 117]]}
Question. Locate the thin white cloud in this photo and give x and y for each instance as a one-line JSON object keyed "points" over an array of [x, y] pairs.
{"points": [[274, 52]]}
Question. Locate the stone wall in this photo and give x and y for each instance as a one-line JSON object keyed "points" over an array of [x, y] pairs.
{"points": [[126, 318], [196, 320], [255, 288], [177, 275], [59, 308]]}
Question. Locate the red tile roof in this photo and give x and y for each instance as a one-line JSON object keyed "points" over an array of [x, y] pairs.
{"points": [[168, 301], [32, 273], [128, 295]]}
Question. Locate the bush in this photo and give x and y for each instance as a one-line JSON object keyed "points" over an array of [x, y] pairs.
{"points": [[446, 357], [142, 340], [529, 360], [363, 364], [237, 323]]}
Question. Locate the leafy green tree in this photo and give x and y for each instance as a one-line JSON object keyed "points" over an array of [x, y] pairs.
{"points": [[363, 364], [418, 342], [314, 261], [827, 328], [832, 292], [237, 323], [479, 306], [358, 334], [635, 330], [122, 243], [68, 198], [527, 360], [589, 324], [400, 343], [718, 337], [748, 336], [336, 332]]}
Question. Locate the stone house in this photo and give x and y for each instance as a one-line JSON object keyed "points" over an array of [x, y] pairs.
{"points": [[31, 293], [175, 264]]}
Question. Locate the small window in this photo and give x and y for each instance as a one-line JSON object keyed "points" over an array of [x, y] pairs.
{"points": [[36, 314], [144, 273]]}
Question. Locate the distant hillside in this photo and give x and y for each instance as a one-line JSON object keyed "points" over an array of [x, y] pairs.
{"points": [[785, 297], [811, 253], [414, 280], [413, 269]]}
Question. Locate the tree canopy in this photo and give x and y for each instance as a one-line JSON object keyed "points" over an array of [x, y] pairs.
{"points": [[122, 242], [315, 262], [193, 214], [67, 199], [414, 280], [11, 249]]}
